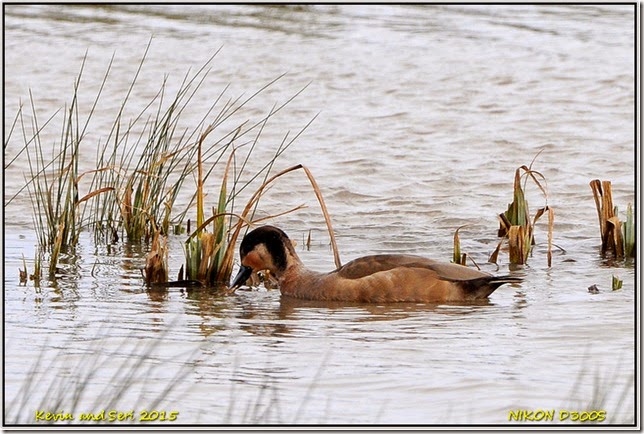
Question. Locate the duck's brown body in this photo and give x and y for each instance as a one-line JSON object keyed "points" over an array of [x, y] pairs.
{"points": [[373, 279]]}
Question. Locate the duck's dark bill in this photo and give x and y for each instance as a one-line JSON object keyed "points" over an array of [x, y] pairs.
{"points": [[242, 276]]}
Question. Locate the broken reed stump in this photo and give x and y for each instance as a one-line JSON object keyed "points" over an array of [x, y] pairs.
{"points": [[156, 262], [629, 233], [519, 247], [609, 224]]}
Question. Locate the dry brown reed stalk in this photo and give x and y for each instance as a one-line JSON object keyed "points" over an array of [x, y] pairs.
{"points": [[23, 273], [518, 246], [613, 241], [37, 268], [56, 248], [257, 195], [629, 233], [156, 261]]}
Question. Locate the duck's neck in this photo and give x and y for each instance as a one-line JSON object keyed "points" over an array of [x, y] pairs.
{"points": [[296, 277], [294, 268]]}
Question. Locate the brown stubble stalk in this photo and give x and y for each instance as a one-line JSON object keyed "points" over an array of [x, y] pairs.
{"points": [[156, 262], [609, 225], [515, 244], [601, 201]]}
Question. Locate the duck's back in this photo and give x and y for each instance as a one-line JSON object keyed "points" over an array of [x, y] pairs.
{"points": [[392, 278], [369, 265]]}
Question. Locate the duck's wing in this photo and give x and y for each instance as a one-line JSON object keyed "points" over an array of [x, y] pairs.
{"points": [[368, 265]]}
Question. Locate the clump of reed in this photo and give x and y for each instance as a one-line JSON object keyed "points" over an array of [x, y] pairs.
{"points": [[618, 237], [516, 223], [54, 181], [141, 168], [204, 250]]}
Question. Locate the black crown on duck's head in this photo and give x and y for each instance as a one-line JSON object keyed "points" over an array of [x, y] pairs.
{"points": [[275, 240]]}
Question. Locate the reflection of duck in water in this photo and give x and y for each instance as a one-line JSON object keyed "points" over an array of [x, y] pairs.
{"points": [[375, 279]]}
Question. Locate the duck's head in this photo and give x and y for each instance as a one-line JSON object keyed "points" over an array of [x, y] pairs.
{"points": [[265, 248]]}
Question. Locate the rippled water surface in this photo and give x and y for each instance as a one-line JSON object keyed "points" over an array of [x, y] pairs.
{"points": [[423, 115]]}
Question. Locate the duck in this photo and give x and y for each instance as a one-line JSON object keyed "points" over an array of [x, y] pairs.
{"points": [[384, 278]]}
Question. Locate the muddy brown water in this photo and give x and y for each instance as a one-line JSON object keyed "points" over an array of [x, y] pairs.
{"points": [[424, 113]]}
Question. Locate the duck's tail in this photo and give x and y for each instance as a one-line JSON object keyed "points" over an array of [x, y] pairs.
{"points": [[484, 286], [497, 281]]}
